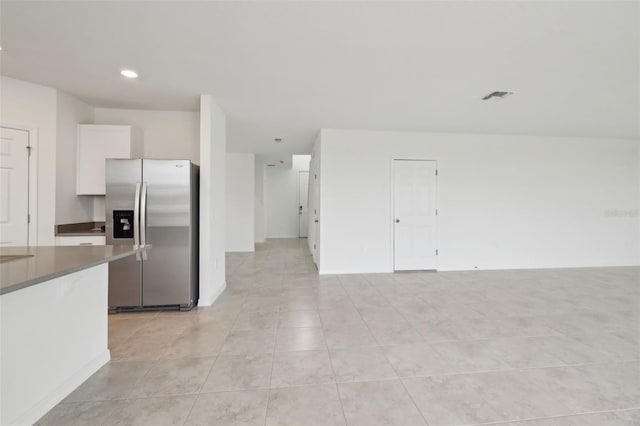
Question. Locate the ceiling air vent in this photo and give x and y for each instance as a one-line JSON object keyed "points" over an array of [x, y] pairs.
{"points": [[497, 95]]}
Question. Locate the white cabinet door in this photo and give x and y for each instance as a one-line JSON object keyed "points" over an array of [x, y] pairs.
{"points": [[98, 142], [98, 240]]}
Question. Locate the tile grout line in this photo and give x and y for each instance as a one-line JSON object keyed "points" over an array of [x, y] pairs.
{"points": [[193, 404], [273, 361], [333, 372], [413, 401], [586, 413], [217, 357]]}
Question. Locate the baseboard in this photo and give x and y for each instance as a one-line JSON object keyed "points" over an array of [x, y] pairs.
{"points": [[41, 408], [351, 272], [280, 237], [242, 250], [211, 299], [471, 268]]}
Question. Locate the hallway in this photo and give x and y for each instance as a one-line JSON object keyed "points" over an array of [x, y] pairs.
{"points": [[284, 346]]}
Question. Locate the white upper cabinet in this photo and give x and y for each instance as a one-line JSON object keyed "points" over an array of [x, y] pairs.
{"points": [[96, 143]]}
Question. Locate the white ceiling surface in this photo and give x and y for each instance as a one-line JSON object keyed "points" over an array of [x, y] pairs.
{"points": [[288, 69]]}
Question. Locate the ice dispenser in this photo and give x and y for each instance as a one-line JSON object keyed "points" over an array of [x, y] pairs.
{"points": [[123, 224]]}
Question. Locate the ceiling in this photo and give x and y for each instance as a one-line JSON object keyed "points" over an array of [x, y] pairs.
{"points": [[287, 69]]}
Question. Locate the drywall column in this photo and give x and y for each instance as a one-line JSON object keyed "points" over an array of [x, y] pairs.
{"points": [[70, 208], [213, 145], [240, 202]]}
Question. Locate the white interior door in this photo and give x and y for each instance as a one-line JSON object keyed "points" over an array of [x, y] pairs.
{"points": [[303, 204], [14, 187], [414, 215]]}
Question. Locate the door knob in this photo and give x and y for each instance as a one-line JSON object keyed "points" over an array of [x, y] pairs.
{"points": [[397, 220]]}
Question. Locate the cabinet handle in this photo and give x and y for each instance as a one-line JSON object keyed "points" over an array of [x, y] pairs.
{"points": [[86, 244]]}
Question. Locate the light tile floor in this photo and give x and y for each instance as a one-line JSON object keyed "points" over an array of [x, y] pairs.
{"points": [[284, 346]]}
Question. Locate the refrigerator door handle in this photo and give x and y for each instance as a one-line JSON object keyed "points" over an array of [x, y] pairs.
{"points": [[143, 219], [136, 219]]}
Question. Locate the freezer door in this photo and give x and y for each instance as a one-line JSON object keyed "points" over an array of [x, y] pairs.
{"points": [[123, 180], [167, 268]]}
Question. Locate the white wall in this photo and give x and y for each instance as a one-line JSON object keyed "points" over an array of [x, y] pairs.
{"points": [[281, 198], [300, 162], [240, 196], [70, 208], [34, 106], [167, 134], [213, 144], [99, 208], [504, 201], [259, 215]]}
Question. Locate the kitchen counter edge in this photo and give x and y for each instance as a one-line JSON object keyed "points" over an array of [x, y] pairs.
{"points": [[22, 273]]}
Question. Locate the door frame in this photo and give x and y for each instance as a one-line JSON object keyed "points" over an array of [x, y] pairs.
{"points": [[32, 229], [392, 207], [314, 213]]}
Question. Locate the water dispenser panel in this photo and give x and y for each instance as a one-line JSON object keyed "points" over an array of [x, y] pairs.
{"points": [[123, 224]]}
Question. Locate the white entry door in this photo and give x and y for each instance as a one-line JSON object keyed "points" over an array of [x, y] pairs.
{"points": [[303, 204], [14, 187], [415, 212]]}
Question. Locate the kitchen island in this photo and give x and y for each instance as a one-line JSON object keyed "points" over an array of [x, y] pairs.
{"points": [[53, 324]]}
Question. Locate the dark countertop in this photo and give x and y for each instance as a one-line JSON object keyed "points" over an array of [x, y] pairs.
{"points": [[47, 263], [81, 234], [80, 229]]}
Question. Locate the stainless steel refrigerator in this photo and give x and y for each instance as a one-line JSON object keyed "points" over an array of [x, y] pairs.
{"points": [[153, 202]]}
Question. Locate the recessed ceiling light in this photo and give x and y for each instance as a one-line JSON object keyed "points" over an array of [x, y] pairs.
{"points": [[497, 95], [277, 140], [129, 73]]}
